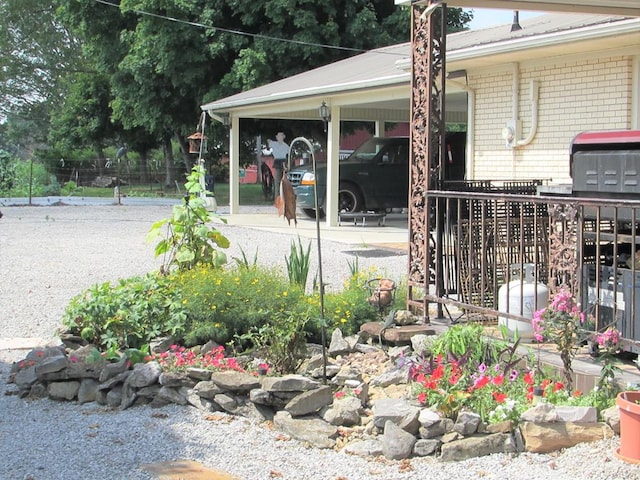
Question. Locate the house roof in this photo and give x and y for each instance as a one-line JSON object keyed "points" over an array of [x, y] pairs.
{"points": [[614, 7], [387, 70]]}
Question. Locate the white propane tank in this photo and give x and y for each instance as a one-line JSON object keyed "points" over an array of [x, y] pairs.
{"points": [[523, 296]]}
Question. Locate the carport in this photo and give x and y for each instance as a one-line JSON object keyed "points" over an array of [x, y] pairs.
{"points": [[394, 94], [377, 88]]}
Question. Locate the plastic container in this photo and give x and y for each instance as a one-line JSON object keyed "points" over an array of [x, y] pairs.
{"points": [[522, 296], [629, 450]]}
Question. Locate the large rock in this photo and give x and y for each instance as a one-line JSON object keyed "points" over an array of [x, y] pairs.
{"points": [[63, 390], [233, 381], [396, 442], [344, 411], [144, 374], [548, 437], [307, 429], [310, 401], [287, 383], [399, 412], [477, 446]]}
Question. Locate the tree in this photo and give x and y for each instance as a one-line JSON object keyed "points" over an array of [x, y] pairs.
{"points": [[164, 59]]}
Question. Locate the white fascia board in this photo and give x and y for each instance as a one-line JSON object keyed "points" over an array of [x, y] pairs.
{"points": [[329, 89], [546, 40]]}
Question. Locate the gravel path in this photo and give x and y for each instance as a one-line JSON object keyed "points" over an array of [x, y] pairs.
{"points": [[50, 254]]}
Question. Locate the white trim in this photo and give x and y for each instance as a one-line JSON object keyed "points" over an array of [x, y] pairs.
{"points": [[542, 41], [635, 93]]}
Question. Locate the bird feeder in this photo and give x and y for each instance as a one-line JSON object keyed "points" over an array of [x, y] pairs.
{"points": [[195, 142]]}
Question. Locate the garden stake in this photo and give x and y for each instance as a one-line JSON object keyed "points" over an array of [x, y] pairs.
{"points": [[321, 284]]}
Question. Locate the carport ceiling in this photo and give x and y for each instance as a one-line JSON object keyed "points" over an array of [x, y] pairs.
{"points": [[606, 7]]}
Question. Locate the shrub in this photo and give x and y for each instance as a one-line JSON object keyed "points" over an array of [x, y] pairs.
{"points": [[225, 303], [128, 314], [348, 308]]}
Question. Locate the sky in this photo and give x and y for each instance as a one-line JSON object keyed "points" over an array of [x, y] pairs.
{"points": [[483, 17]]}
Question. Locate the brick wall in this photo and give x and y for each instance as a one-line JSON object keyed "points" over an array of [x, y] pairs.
{"points": [[577, 95]]}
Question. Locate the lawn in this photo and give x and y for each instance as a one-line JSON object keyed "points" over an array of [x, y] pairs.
{"points": [[250, 194]]}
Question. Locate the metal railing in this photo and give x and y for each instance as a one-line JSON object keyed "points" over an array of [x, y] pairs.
{"points": [[484, 240]]}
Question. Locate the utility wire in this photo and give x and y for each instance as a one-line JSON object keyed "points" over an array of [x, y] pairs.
{"points": [[246, 34]]}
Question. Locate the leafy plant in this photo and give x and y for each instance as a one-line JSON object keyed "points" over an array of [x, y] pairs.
{"points": [[244, 261], [298, 263], [469, 341], [281, 341], [190, 240], [354, 266], [225, 302], [560, 323], [609, 344], [128, 314]]}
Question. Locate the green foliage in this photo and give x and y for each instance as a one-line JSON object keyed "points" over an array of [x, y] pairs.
{"points": [[354, 266], [298, 264], [8, 166], [189, 240], [469, 341], [244, 261], [560, 323], [19, 178], [348, 308], [281, 340], [225, 303], [128, 314], [69, 188]]}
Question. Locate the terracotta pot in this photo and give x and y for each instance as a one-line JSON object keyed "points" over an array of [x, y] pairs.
{"points": [[629, 450]]}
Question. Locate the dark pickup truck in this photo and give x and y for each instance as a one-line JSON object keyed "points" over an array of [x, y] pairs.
{"points": [[375, 177]]}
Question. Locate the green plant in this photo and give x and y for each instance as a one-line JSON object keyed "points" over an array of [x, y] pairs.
{"points": [[189, 240], [222, 303], [560, 323], [69, 188], [244, 261], [281, 341], [468, 340], [298, 263], [497, 392], [608, 345], [128, 314], [354, 266], [348, 308]]}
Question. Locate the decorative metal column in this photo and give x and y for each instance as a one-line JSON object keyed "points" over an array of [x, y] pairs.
{"points": [[563, 248], [428, 49]]}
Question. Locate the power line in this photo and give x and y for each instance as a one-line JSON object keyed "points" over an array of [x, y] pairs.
{"points": [[239, 32]]}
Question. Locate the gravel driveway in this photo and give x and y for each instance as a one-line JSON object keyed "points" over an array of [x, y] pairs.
{"points": [[50, 254]]}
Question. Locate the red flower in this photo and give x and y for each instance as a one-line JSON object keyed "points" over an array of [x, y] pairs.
{"points": [[422, 398], [499, 397], [438, 373], [528, 378], [577, 393], [557, 386], [481, 382], [498, 380]]}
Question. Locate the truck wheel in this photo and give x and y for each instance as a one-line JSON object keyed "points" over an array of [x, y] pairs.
{"points": [[349, 198], [311, 213]]}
